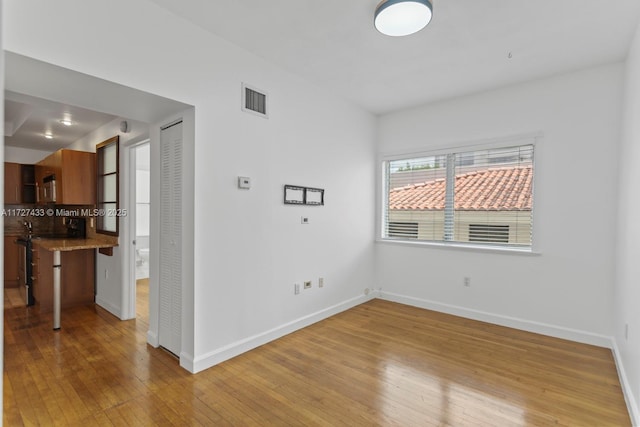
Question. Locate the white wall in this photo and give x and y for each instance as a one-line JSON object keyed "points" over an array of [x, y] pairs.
{"points": [[248, 247], [24, 155], [566, 290], [143, 191], [627, 289]]}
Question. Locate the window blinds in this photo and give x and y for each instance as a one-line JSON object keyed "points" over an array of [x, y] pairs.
{"points": [[480, 197]]}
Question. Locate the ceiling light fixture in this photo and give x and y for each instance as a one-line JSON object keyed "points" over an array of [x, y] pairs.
{"points": [[66, 119], [402, 17], [48, 135]]}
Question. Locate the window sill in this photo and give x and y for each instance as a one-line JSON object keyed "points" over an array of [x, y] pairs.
{"points": [[462, 246]]}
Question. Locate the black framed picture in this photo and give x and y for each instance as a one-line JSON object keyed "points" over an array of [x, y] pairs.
{"points": [[293, 195], [314, 196]]}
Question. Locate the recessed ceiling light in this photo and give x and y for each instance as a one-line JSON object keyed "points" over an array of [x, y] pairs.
{"points": [[48, 135], [66, 122]]}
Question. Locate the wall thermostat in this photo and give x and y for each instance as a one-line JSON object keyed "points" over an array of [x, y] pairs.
{"points": [[244, 182]]}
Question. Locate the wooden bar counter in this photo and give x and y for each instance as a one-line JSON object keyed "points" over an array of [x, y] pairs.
{"points": [[64, 273]]}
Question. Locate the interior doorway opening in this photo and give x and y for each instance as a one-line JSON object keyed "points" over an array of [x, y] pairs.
{"points": [[141, 156]]}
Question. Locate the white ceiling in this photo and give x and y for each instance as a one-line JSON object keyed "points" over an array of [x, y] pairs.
{"points": [[464, 49], [38, 95], [28, 118]]}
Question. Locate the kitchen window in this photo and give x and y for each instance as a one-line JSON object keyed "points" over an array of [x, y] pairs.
{"points": [[107, 179], [475, 197]]}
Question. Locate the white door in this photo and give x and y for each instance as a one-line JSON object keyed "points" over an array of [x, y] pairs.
{"points": [[170, 289]]}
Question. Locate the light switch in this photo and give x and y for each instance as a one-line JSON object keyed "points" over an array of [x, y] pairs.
{"points": [[244, 182]]}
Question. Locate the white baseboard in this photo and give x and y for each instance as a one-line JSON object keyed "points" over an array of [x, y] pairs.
{"points": [[626, 387], [152, 339], [186, 362], [109, 307], [498, 319], [214, 357]]}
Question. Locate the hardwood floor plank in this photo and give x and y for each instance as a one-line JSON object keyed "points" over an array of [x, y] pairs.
{"points": [[380, 363]]}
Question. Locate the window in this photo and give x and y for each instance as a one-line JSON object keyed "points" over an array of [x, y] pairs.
{"points": [[479, 197], [407, 230], [488, 233], [107, 183]]}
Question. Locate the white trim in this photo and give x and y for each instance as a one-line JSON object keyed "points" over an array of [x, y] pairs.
{"points": [[152, 339], [129, 272], [508, 250], [627, 391], [234, 349], [186, 361], [111, 308], [498, 319]]}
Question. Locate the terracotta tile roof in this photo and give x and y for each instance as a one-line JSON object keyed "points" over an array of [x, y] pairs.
{"points": [[499, 189]]}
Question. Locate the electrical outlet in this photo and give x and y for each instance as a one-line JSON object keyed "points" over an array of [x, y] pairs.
{"points": [[321, 282], [296, 289], [467, 281], [307, 284], [304, 220]]}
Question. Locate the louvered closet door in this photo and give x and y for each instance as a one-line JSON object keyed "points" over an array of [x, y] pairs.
{"points": [[171, 238]]}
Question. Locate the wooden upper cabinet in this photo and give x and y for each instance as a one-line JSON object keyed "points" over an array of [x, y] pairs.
{"points": [[19, 184], [75, 173], [12, 183]]}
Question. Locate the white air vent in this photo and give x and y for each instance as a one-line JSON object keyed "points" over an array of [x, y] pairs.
{"points": [[254, 101]]}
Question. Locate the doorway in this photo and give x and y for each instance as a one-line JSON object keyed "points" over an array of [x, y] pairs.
{"points": [[146, 114], [140, 161]]}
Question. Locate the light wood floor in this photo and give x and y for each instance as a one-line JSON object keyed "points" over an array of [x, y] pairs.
{"points": [[377, 364]]}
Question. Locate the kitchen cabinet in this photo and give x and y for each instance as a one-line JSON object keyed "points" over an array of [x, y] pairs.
{"points": [[75, 175], [19, 184], [11, 262], [77, 277], [28, 183], [12, 183]]}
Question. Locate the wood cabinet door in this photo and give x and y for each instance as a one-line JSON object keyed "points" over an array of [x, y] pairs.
{"points": [[77, 184], [12, 184], [11, 262]]}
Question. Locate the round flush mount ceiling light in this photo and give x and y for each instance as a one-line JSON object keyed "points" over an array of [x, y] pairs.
{"points": [[402, 17], [48, 135]]}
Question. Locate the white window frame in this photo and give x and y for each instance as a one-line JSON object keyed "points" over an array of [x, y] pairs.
{"points": [[534, 139]]}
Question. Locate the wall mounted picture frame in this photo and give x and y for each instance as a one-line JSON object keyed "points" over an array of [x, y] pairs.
{"points": [[298, 195], [293, 195], [314, 196]]}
